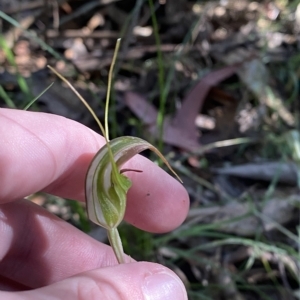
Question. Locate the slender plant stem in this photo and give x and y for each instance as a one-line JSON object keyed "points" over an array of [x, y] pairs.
{"points": [[116, 243], [37, 97], [110, 78], [127, 31], [10, 103], [161, 77], [80, 97]]}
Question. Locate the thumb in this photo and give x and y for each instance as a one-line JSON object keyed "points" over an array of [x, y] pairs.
{"points": [[131, 281]]}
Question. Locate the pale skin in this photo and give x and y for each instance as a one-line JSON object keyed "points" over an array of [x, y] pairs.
{"points": [[48, 257]]}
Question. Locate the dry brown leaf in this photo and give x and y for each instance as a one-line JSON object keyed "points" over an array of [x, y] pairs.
{"points": [[180, 131], [277, 210]]}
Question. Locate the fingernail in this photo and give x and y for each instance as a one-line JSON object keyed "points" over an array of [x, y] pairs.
{"points": [[163, 286]]}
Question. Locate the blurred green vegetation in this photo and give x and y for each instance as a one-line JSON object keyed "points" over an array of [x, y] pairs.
{"points": [[199, 252]]}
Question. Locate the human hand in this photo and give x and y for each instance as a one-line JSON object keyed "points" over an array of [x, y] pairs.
{"points": [[41, 256]]}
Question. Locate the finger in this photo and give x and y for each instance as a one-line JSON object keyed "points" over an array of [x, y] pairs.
{"points": [[35, 242], [42, 151], [51, 153], [155, 202], [133, 281]]}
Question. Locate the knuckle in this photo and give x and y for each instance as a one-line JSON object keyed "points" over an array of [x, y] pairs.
{"points": [[93, 289]]}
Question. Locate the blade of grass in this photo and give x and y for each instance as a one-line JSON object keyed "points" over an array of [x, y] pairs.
{"points": [[6, 98], [197, 230], [37, 97], [126, 36], [11, 59], [279, 227], [258, 246], [161, 77], [32, 35], [218, 144]]}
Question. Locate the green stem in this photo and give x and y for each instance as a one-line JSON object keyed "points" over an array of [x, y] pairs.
{"points": [[161, 76], [81, 98], [110, 78], [116, 243], [10, 103], [37, 97]]}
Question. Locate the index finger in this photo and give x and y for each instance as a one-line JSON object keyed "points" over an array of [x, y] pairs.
{"points": [[46, 152]]}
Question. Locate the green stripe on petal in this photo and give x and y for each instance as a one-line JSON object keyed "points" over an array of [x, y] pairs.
{"points": [[106, 188]]}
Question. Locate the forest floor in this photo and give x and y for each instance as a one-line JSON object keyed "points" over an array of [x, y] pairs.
{"points": [[215, 84]]}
